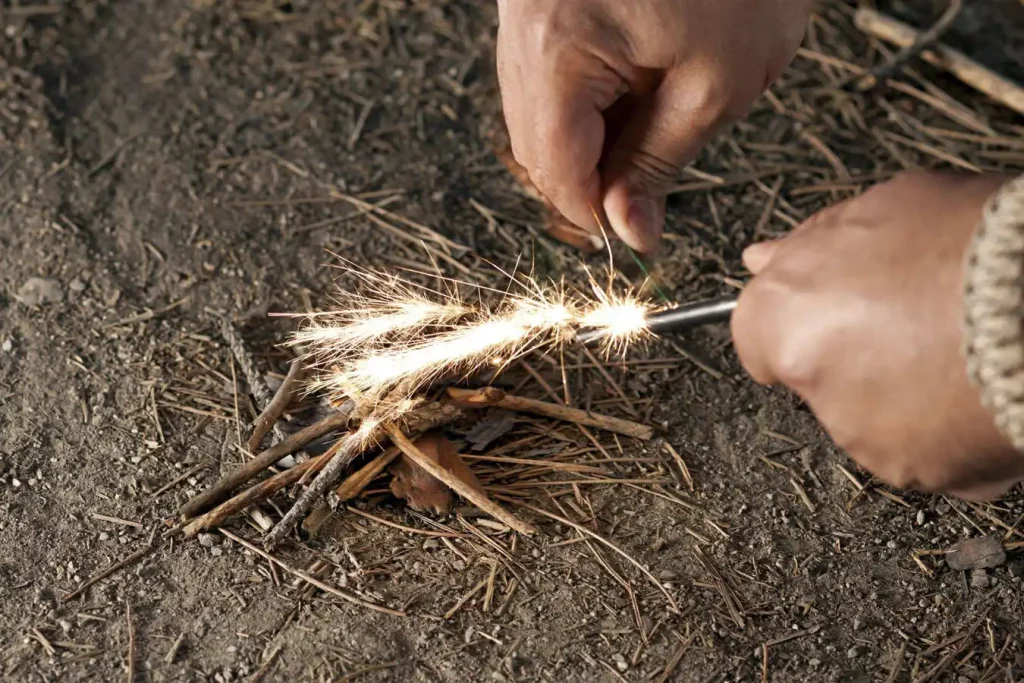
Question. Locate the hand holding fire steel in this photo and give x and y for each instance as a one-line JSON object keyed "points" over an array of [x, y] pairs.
{"points": [[857, 310]]}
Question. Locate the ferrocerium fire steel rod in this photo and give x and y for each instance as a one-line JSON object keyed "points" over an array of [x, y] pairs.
{"points": [[679, 319]]}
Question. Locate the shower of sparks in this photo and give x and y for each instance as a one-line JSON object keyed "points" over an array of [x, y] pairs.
{"points": [[383, 346]]}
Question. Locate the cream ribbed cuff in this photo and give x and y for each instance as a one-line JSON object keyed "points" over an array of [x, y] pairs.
{"points": [[993, 311]]}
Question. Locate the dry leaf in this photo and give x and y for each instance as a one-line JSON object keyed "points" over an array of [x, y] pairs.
{"points": [[421, 490]]}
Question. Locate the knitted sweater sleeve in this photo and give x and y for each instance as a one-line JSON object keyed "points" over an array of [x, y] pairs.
{"points": [[993, 311]]}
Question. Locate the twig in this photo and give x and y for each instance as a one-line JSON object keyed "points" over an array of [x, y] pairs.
{"points": [[429, 417], [360, 479], [311, 579], [131, 643], [117, 566], [601, 539], [476, 497], [177, 480], [257, 385], [258, 492], [272, 413], [216, 493], [955, 62], [676, 658], [491, 396], [148, 315], [923, 40], [264, 669]]}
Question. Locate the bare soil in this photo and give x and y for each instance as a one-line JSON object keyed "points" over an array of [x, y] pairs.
{"points": [[179, 159]]}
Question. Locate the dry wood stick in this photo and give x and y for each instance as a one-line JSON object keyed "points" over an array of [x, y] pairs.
{"points": [[924, 40], [257, 385], [478, 498], [216, 493], [491, 396], [955, 62], [360, 479], [277, 405], [428, 417], [311, 579], [131, 643], [259, 492]]}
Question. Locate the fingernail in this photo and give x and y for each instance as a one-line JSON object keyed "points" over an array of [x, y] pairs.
{"points": [[643, 220]]}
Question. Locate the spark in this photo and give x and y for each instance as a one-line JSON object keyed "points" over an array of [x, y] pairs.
{"points": [[383, 346]]}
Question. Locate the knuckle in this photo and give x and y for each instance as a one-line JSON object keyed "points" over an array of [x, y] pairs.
{"points": [[653, 170]]}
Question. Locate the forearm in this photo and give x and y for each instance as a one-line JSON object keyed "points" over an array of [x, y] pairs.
{"points": [[994, 309]]}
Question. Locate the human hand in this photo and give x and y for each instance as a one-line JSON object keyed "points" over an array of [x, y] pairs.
{"points": [[858, 311], [607, 101]]}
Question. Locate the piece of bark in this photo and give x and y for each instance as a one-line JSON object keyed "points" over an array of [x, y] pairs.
{"points": [[984, 552], [422, 491], [496, 424]]}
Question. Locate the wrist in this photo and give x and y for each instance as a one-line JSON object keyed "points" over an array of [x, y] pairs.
{"points": [[993, 309]]}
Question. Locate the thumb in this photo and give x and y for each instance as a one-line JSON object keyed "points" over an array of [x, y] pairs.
{"points": [[757, 256], [666, 130]]}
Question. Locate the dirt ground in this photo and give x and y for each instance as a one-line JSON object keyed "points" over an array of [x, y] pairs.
{"points": [[164, 165]]}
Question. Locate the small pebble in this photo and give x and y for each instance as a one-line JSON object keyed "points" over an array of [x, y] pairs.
{"points": [[216, 552], [431, 544], [7, 346], [37, 291], [920, 517], [16, 483], [65, 625], [104, 536], [815, 663], [979, 578], [852, 653], [891, 545], [207, 540]]}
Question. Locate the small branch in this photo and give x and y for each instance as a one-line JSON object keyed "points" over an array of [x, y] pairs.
{"points": [[272, 413], [327, 588], [428, 417], [257, 385], [923, 40], [259, 492], [955, 62], [490, 396], [220, 490], [476, 497], [361, 478], [131, 643]]}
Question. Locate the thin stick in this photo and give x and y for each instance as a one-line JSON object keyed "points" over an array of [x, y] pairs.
{"points": [[131, 644], [584, 530], [924, 40], [258, 492], [344, 452], [257, 385], [491, 396], [327, 588], [117, 566], [272, 413], [468, 492], [360, 479], [216, 493], [955, 62]]}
